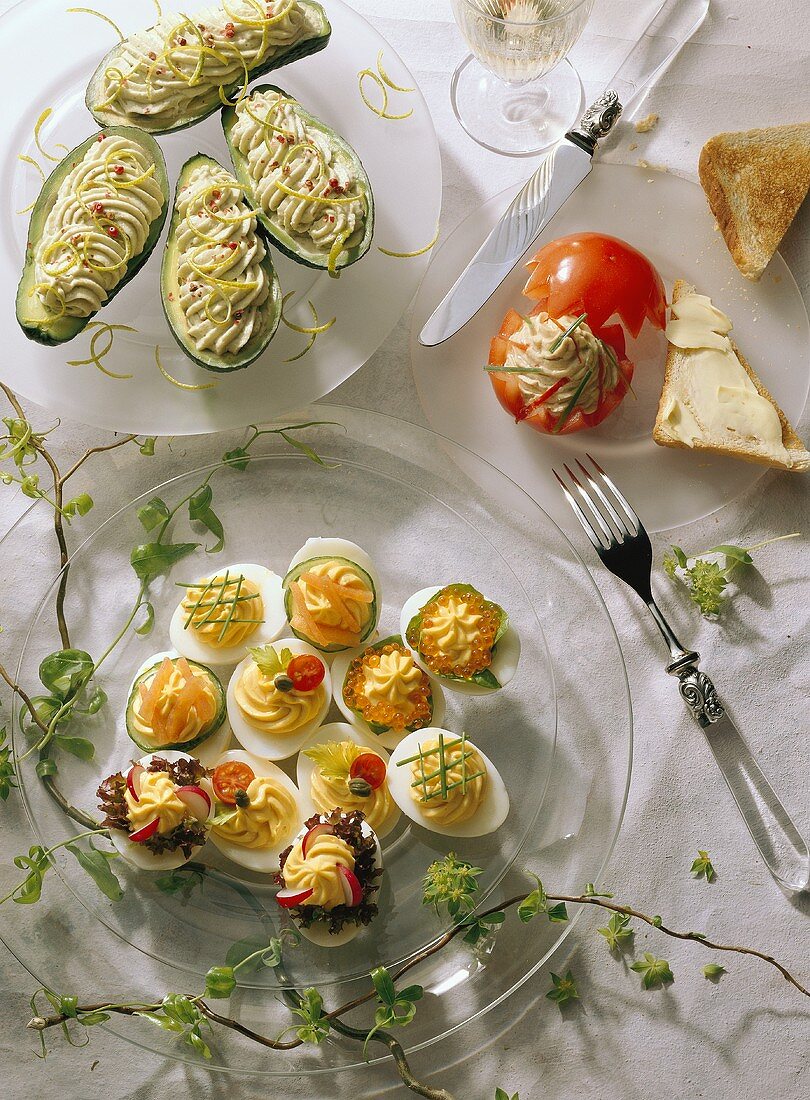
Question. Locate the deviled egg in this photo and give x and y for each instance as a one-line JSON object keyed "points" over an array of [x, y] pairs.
{"points": [[341, 768], [221, 615], [328, 877], [332, 594], [175, 703], [445, 784], [157, 812], [257, 810], [461, 638], [380, 688], [277, 697]]}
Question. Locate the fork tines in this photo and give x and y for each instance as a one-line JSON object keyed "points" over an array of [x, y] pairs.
{"points": [[606, 517]]}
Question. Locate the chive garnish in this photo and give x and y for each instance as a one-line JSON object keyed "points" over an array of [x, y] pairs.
{"points": [[435, 775], [569, 407], [232, 608], [452, 786], [442, 767], [419, 755], [515, 370], [568, 331]]}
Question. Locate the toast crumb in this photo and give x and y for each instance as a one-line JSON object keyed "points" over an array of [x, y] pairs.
{"points": [[644, 125]]}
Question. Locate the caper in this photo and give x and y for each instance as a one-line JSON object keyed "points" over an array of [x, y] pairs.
{"points": [[361, 787]]}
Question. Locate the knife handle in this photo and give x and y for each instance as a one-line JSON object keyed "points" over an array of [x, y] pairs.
{"points": [[670, 29], [779, 842]]}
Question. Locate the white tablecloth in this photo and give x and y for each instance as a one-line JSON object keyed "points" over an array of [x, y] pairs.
{"points": [[748, 1036]]}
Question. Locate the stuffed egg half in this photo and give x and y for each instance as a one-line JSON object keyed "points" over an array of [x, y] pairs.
{"points": [[269, 715], [220, 616], [336, 756], [332, 594], [446, 784], [461, 638], [257, 810]]}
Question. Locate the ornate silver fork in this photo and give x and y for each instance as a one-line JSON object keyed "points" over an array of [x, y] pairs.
{"points": [[618, 537]]}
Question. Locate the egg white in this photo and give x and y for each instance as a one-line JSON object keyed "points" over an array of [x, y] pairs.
{"points": [[188, 644], [260, 859], [270, 746], [318, 933], [340, 731], [216, 743], [504, 659], [137, 854], [342, 548], [391, 738], [490, 815]]}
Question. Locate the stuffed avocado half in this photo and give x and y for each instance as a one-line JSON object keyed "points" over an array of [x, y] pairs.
{"points": [[220, 293], [309, 186], [97, 219], [177, 72], [183, 68]]}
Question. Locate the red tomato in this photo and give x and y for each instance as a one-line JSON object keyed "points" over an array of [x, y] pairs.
{"points": [[535, 413], [230, 777], [598, 275], [306, 672], [370, 767]]}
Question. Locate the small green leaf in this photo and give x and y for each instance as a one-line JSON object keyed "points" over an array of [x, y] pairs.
{"points": [[46, 767], [501, 1095], [703, 866], [592, 892], [713, 971], [219, 982], [153, 513], [485, 677], [238, 458], [303, 448], [557, 913], [314, 1028], [181, 880], [81, 747], [654, 972], [533, 903], [97, 864], [148, 446], [617, 932], [151, 559], [96, 701], [563, 990], [657, 922], [66, 672], [381, 980], [8, 777], [200, 511], [79, 506], [88, 1019]]}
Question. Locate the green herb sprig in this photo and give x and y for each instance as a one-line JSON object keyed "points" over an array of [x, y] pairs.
{"points": [[562, 990]]}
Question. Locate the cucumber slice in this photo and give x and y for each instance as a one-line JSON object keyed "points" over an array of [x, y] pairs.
{"points": [[303, 567], [33, 318], [315, 38], [143, 743], [300, 247], [222, 364]]}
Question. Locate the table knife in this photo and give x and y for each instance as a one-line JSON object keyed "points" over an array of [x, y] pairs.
{"points": [[563, 170]]}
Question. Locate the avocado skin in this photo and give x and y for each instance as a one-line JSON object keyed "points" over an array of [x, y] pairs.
{"points": [[59, 332]]}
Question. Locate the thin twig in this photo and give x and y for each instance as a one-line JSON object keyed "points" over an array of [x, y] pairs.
{"points": [[25, 698], [95, 451]]}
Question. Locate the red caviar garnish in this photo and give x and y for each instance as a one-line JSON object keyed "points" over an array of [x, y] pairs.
{"points": [[112, 231]]}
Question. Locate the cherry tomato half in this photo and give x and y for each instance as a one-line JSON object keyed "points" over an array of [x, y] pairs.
{"points": [[370, 767], [598, 275], [230, 777], [306, 672]]}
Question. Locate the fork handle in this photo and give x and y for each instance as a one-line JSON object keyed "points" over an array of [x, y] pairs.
{"points": [[779, 842]]}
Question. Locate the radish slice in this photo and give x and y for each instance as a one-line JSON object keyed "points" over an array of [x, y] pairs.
{"points": [[197, 801], [352, 890], [134, 780], [288, 899], [322, 829], [143, 834]]}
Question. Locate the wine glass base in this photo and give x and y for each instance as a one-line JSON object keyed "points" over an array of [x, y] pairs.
{"points": [[516, 120]]}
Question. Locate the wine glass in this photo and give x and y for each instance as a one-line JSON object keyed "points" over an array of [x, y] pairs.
{"points": [[515, 93]]}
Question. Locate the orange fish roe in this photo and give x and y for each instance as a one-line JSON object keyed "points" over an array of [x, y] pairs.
{"points": [[415, 712], [458, 601]]}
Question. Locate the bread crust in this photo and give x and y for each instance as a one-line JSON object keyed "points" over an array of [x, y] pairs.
{"points": [[790, 439], [755, 181]]}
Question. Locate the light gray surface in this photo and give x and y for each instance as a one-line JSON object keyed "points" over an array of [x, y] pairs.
{"points": [[748, 1036]]}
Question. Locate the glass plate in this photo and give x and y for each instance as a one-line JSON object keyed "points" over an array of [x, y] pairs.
{"points": [[563, 750]]}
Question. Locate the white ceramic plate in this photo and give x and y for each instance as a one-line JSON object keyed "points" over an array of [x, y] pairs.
{"points": [[48, 55], [667, 218]]}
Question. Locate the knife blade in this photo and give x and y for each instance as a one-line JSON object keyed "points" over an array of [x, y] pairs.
{"points": [[555, 180]]}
